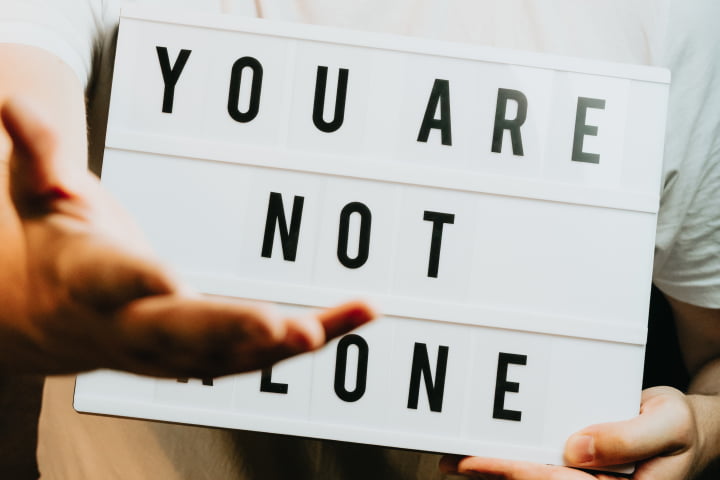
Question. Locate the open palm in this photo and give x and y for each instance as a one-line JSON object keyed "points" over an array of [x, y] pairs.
{"points": [[94, 296]]}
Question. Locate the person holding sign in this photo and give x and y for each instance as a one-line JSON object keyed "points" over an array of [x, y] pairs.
{"points": [[675, 436]]}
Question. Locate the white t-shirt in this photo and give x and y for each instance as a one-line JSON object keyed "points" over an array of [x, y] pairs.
{"points": [[678, 34]]}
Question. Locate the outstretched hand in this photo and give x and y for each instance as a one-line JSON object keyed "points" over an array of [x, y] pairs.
{"points": [[664, 440], [94, 296]]}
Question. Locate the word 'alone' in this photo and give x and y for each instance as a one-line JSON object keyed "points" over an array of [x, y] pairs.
{"points": [[420, 370]]}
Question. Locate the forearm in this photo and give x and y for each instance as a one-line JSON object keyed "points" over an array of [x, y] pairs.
{"points": [[704, 399], [699, 335]]}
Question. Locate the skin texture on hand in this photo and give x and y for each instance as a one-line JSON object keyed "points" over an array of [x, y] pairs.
{"points": [[90, 294]]}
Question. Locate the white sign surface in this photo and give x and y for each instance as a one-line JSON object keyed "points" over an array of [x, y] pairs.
{"points": [[499, 207]]}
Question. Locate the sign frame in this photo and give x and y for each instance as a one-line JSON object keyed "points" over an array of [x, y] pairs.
{"points": [[631, 193]]}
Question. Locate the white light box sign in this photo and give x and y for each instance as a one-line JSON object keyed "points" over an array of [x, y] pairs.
{"points": [[498, 207]]}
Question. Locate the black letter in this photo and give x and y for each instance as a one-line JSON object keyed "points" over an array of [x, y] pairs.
{"points": [[439, 220], [207, 381], [341, 368], [421, 365], [276, 216], [502, 386], [502, 123], [440, 94], [581, 129], [171, 74], [267, 385], [363, 241], [234, 97], [319, 107]]}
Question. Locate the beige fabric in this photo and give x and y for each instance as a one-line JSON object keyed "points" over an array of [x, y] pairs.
{"points": [[75, 446]]}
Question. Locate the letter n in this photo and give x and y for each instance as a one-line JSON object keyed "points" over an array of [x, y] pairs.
{"points": [[421, 367], [276, 218]]}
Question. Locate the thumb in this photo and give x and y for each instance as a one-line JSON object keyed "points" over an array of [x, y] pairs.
{"points": [[35, 180], [664, 426]]}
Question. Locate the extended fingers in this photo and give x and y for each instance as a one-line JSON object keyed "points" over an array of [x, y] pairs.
{"points": [[309, 332], [500, 469], [339, 320], [172, 335], [663, 427]]}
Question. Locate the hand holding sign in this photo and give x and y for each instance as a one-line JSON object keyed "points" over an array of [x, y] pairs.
{"points": [[99, 299], [663, 439]]}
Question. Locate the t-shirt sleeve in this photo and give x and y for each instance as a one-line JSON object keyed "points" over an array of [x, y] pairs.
{"points": [[66, 28], [687, 255]]}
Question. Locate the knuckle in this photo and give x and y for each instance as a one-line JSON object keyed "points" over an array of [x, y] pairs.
{"points": [[269, 331], [267, 317], [614, 444], [609, 444], [156, 278], [684, 431]]}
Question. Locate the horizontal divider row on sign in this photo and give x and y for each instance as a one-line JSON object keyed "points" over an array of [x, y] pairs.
{"points": [[375, 237], [374, 168], [314, 297]]}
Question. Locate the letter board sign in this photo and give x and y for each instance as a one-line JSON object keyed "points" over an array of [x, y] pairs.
{"points": [[498, 207]]}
